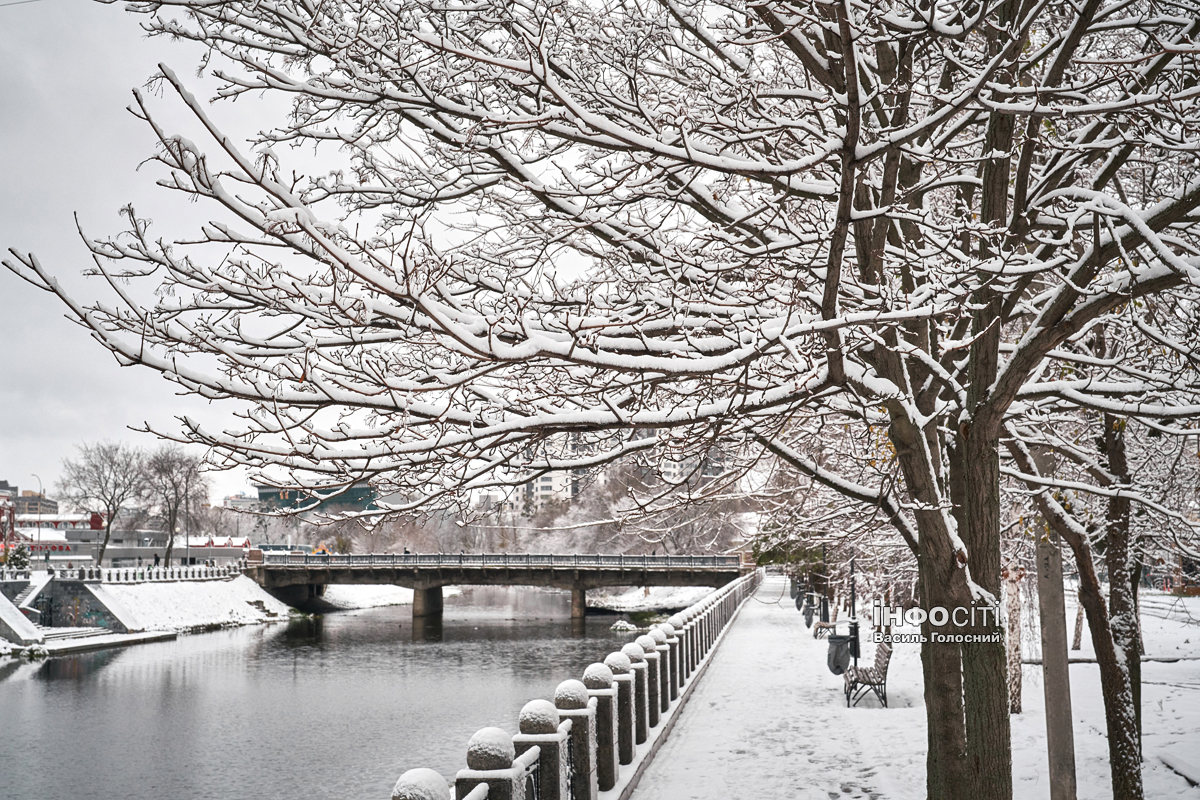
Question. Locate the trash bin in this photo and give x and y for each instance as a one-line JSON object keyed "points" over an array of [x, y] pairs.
{"points": [[808, 616], [839, 653], [799, 602], [795, 589]]}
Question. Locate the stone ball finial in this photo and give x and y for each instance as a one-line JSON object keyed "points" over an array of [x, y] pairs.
{"points": [[490, 748], [571, 694], [598, 676], [677, 621], [619, 663], [539, 716], [636, 653], [421, 784], [658, 636], [668, 629], [647, 642]]}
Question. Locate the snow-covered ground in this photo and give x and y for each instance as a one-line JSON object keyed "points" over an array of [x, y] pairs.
{"points": [[348, 597], [653, 598], [769, 720], [195, 605]]}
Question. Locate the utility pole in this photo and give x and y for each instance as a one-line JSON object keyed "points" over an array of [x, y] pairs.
{"points": [[1056, 680], [39, 519], [187, 517]]}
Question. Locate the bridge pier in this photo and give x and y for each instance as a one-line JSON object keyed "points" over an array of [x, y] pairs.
{"points": [[578, 602], [427, 602]]}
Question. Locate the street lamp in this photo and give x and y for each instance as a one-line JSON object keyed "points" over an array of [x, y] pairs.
{"points": [[39, 505], [39, 515], [187, 518]]}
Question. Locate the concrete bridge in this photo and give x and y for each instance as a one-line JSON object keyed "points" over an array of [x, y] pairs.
{"points": [[297, 578]]}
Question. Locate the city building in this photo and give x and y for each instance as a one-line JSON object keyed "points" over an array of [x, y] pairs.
{"points": [[550, 488], [242, 501], [359, 497], [29, 502], [55, 521]]}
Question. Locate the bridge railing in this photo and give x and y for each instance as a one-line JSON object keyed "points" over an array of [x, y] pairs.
{"points": [[510, 560], [578, 747]]}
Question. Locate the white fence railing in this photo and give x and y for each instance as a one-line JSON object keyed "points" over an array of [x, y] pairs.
{"points": [[142, 574]]}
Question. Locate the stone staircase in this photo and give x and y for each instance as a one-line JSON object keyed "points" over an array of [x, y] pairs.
{"points": [[57, 634], [20, 599]]}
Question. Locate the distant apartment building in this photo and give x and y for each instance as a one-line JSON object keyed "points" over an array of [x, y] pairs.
{"points": [[551, 488], [241, 502], [29, 502], [359, 497]]}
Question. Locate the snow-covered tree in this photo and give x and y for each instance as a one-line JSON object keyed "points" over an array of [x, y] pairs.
{"points": [[1116, 489], [562, 232]]}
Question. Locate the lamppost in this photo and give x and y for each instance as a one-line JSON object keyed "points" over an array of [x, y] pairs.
{"points": [[39, 505], [39, 516], [187, 516]]}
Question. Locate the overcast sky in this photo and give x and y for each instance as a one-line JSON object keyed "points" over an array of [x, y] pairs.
{"points": [[68, 146]]}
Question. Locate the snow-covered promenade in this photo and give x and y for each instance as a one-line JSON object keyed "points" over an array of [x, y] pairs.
{"points": [[769, 720]]}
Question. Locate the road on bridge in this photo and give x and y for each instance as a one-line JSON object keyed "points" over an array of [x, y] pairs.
{"points": [[297, 578]]}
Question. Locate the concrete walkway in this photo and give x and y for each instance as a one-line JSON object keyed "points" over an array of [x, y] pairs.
{"points": [[768, 720]]}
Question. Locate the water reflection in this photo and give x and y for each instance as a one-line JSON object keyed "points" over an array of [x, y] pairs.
{"points": [[335, 706]]}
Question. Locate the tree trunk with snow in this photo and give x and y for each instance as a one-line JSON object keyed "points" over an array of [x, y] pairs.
{"points": [[1124, 750], [1012, 600], [1122, 602], [1077, 639]]}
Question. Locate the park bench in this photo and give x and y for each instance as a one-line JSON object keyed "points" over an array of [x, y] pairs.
{"points": [[860, 680], [823, 629]]}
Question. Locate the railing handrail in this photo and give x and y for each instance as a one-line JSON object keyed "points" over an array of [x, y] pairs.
{"points": [[480, 792], [507, 560], [527, 759], [162, 573]]}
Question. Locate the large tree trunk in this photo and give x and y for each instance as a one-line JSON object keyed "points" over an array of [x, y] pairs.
{"points": [[1122, 614], [985, 664], [1135, 665], [941, 663]]}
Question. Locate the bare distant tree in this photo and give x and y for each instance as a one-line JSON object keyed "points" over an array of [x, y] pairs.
{"points": [[105, 477], [175, 486]]}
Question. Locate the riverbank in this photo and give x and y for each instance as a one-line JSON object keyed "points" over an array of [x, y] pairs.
{"points": [[646, 598], [183, 607], [192, 606]]}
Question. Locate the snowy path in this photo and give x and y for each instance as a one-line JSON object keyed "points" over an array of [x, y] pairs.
{"points": [[768, 720]]}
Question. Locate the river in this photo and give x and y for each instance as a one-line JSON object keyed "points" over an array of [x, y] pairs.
{"points": [[333, 707]]}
